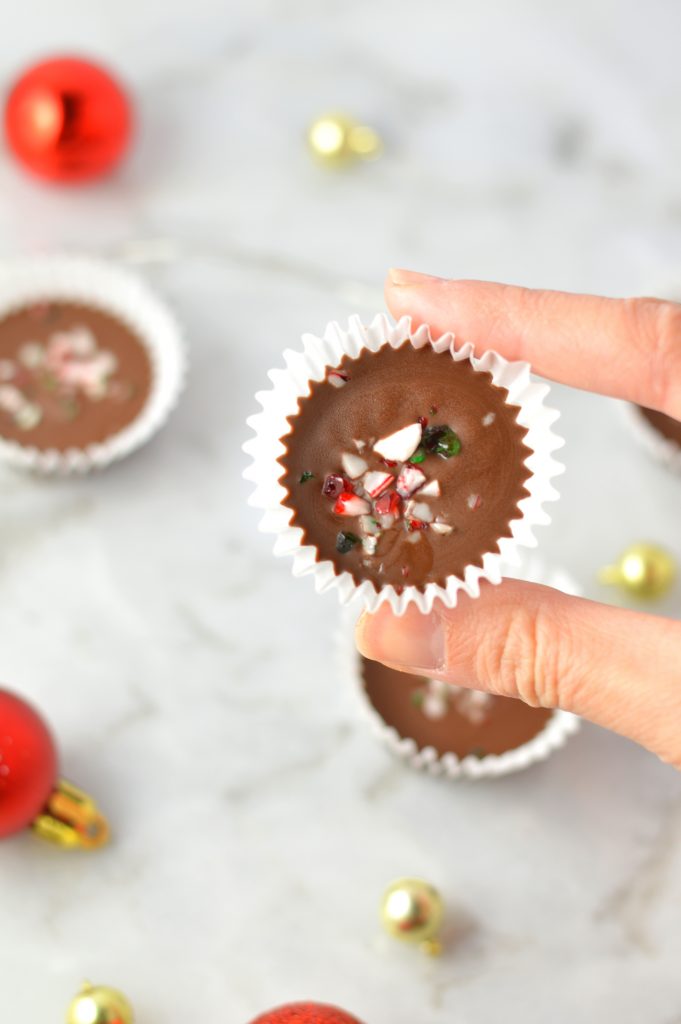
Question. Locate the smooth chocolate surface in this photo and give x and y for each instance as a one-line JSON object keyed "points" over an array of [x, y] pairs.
{"points": [[665, 425], [70, 376], [480, 487], [449, 719]]}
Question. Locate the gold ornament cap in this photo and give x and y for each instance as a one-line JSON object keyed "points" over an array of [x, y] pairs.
{"points": [[643, 570], [337, 138], [412, 910], [72, 819], [99, 1004]]}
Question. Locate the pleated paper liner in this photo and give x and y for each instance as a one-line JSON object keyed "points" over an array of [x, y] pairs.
{"points": [[312, 363], [109, 289]]}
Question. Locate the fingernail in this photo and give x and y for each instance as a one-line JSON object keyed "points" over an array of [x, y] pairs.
{"points": [[416, 642], [410, 277]]}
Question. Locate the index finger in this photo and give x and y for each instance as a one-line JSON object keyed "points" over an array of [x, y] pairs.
{"points": [[626, 348]]}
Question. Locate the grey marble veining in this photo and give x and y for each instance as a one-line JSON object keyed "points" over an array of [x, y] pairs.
{"points": [[191, 681]]}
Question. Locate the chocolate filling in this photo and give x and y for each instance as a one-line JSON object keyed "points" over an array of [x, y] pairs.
{"points": [[479, 486], [70, 376], [464, 725]]}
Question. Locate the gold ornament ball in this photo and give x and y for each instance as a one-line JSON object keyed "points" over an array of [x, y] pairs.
{"points": [[339, 139], [413, 910], [99, 1004], [644, 570]]}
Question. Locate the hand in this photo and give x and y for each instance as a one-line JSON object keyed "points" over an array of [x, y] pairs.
{"points": [[620, 669]]}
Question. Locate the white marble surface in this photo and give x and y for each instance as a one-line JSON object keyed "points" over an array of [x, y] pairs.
{"points": [[189, 678]]}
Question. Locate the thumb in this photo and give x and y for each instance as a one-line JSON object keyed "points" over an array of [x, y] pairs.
{"points": [[620, 669]]}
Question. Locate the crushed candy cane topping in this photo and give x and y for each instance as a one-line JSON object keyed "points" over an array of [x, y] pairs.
{"points": [[401, 445], [397, 497], [353, 465], [337, 378], [436, 698], [54, 377]]}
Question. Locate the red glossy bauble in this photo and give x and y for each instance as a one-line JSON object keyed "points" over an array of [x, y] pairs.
{"points": [[68, 120], [306, 1013], [28, 764]]}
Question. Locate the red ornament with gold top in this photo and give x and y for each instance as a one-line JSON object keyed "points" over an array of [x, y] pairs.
{"points": [[31, 794], [68, 120], [306, 1013]]}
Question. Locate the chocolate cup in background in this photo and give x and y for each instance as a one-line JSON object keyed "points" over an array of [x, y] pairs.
{"points": [[657, 434], [104, 291], [312, 364], [534, 733]]}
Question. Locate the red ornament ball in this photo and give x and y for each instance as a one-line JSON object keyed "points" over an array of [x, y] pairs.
{"points": [[306, 1013], [28, 764], [68, 120]]}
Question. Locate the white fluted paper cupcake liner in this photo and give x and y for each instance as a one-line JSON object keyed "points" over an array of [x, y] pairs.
{"points": [[311, 364], [111, 289], [660, 448], [560, 726]]}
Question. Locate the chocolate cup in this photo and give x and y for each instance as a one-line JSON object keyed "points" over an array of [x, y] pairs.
{"points": [[149, 348], [71, 418], [319, 356], [657, 434], [664, 425], [387, 390], [467, 723]]}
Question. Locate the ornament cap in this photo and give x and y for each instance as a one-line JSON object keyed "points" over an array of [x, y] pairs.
{"points": [[72, 819]]}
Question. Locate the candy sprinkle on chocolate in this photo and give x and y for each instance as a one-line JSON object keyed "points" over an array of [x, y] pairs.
{"points": [[334, 485], [345, 541], [338, 378], [304, 477], [441, 441]]}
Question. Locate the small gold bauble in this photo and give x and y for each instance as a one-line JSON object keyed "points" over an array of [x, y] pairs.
{"points": [[99, 1004], [339, 139], [644, 570], [412, 910]]}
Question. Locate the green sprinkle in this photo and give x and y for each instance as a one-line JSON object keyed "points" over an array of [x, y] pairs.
{"points": [[304, 477], [345, 541], [418, 456], [441, 441], [416, 697], [478, 752]]}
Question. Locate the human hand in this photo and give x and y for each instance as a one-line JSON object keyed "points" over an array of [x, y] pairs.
{"points": [[620, 669]]}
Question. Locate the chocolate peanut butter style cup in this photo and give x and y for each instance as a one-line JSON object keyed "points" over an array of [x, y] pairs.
{"points": [[398, 466], [448, 718], [660, 435], [452, 731], [70, 376], [449, 730], [91, 363]]}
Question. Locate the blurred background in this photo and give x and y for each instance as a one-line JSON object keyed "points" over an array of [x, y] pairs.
{"points": [[193, 684]]}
